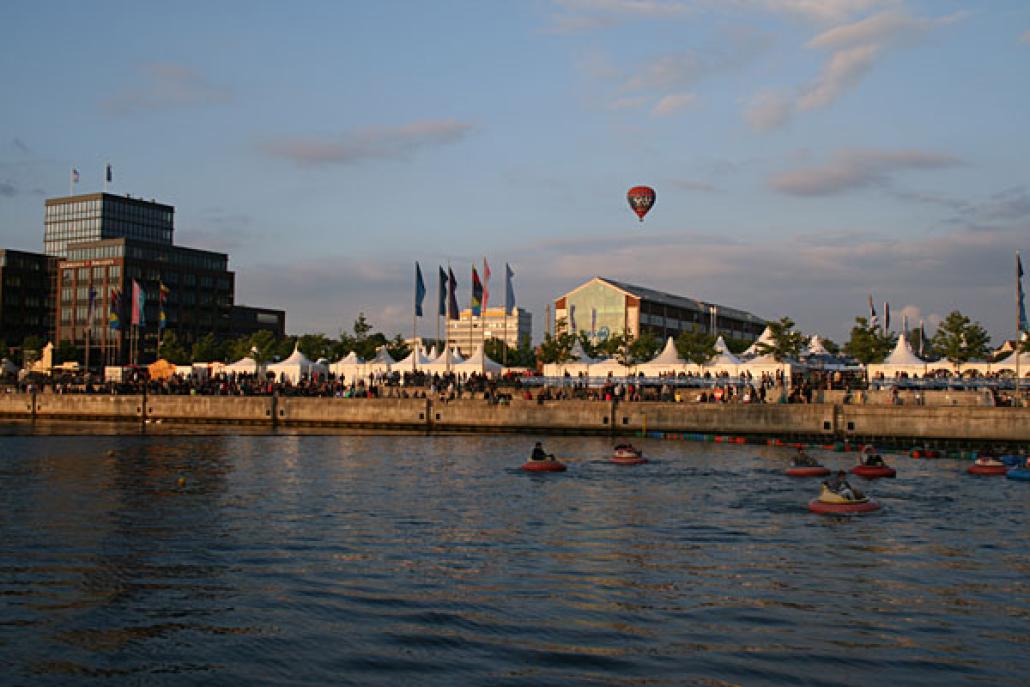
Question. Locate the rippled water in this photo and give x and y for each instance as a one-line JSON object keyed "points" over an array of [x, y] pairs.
{"points": [[431, 560]]}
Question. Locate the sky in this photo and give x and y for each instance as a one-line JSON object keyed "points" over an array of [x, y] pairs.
{"points": [[806, 154]]}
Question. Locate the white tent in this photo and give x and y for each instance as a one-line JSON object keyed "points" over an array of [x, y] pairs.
{"points": [[1009, 363], [901, 359], [752, 351], [478, 362], [723, 357], [247, 366], [666, 362], [580, 362], [295, 367], [416, 360], [382, 363], [815, 347], [433, 353], [767, 364], [348, 368], [439, 364], [609, 366]]}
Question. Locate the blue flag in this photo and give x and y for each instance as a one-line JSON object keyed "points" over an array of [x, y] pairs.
{"points": [[1022, 297], [441, 308], [420, 290], [452, 297], [509, 290]]}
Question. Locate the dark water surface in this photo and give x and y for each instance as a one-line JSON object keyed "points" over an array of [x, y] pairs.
{"points": [[303, 560]]}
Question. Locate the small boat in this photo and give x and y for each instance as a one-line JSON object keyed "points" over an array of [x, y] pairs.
{"points": [[874, 471], [1022, 474], [835, 504], [808, 471], [987, 466], [624, 454], [550, 465]]}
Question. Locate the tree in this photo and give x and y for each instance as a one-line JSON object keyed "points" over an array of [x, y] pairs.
{"points": [[960, 340], [206, 349], [697, 347], [66, 352], [315, 346], [557, 348], [396, 347], [31, 349], [497, 350], [786, 343], [867, 343], [172, 350], [361, 327], [643, 348], [737, 346], [831, 346], [587, 343]]}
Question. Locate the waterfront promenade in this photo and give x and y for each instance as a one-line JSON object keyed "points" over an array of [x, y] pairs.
{"points": [[831, 420]]}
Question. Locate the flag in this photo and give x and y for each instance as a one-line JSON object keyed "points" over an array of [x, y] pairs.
{"points": [[572, 318], [114, 315], [486, 283], [108, 174], [886, 315], [92, 302], [139, 299], [420, 290], [452, 297], [593, 321], [75, 176], [1022, 299], [873, 319], [477, 293], [922, 337], [162, 297], [441, 308], [509, 290]]}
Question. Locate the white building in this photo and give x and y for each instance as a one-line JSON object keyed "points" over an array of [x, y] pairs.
{"points": [[468, 332]]}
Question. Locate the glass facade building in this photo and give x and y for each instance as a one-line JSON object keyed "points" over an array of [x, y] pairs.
{"points": [[104, 216]]}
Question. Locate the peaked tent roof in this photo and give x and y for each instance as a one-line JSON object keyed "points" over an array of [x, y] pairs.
{"points": [[668, 357], [479, 362], [723, 355], [420, 360], [247, 364], [382, 357], [442, 358], [432, 352], [579, 355], [766, 338], [351, 358], [296, 358], [902, 354], [815, 346], [1010, 363]]}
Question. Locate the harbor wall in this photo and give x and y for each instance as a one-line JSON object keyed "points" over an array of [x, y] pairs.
{"points": [[829, 421]]}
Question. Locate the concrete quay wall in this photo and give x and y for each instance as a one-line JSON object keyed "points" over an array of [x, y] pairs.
{"points": [[818, 420]]}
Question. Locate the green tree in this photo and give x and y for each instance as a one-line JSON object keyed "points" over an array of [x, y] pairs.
{"points": [[696, 346], [786, 342], [867, 343], [737, 346], [960, 340], [315, 346], [643, 348], [172, 350], [831, 346], [588, 345], [557, 348], [67, 352], [31, 350], [206, 349], [396, 347], [260, 346], [361, 327], [498, 351]]}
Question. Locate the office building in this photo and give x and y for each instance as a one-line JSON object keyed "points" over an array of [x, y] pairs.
{"points": [[605, 307], [468, 332], [26, 301]]}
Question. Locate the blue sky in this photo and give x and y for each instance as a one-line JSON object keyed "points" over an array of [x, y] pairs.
{"points": [[805, 153]]}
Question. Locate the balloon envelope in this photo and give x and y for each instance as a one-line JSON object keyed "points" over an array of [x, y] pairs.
{"points": [[641, 198]]}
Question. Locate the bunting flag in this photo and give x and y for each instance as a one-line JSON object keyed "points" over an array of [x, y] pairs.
{"points": [[108, 174], [139, 300], [477, 293], [420, 290], [452, 298], [486, 283], [162, 319], [1022, 297], [886, 316], [114, 317], [509, 290], [572, 318], [441, 308], [873, 319]]}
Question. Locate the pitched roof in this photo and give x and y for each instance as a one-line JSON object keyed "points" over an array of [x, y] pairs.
{"points": [[681, 301]]}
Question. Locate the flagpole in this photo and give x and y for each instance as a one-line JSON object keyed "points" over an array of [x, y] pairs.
{"points": [[1019, 325], [414, 327], [447, 329], [504, 335]]}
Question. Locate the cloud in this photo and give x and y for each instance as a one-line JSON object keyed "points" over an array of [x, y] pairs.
{"points": [[854, 169], [7, 189], [820, 11], [165, 86], [368, 144], [855, 48], [671, 104], [768, 110]]}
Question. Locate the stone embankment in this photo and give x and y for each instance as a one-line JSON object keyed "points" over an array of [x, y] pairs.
{"points": [[826, 421]]}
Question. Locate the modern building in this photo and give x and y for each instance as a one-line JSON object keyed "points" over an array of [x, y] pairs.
{"points": [[97, 246], [468, 332], [26, 301], [605, 307]]}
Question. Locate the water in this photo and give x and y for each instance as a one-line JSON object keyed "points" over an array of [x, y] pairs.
{"points": [[308, 560]]}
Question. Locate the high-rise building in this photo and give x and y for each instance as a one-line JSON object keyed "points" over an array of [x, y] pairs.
{"points": [[97, 216], [468, 332], [604, 307], [26, 302]]}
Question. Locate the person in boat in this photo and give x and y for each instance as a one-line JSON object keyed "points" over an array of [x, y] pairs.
{"points": [[839, 485], [539, 453], [803, 460], [986, 457], [871, 458]]}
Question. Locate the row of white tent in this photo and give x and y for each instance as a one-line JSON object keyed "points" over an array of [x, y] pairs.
{"points": [[903, 360]]}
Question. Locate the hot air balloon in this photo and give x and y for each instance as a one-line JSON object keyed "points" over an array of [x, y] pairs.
{"points": [[641, 198]]}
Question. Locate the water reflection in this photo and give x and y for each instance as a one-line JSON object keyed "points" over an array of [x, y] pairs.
{"points": [[383, 559]]}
